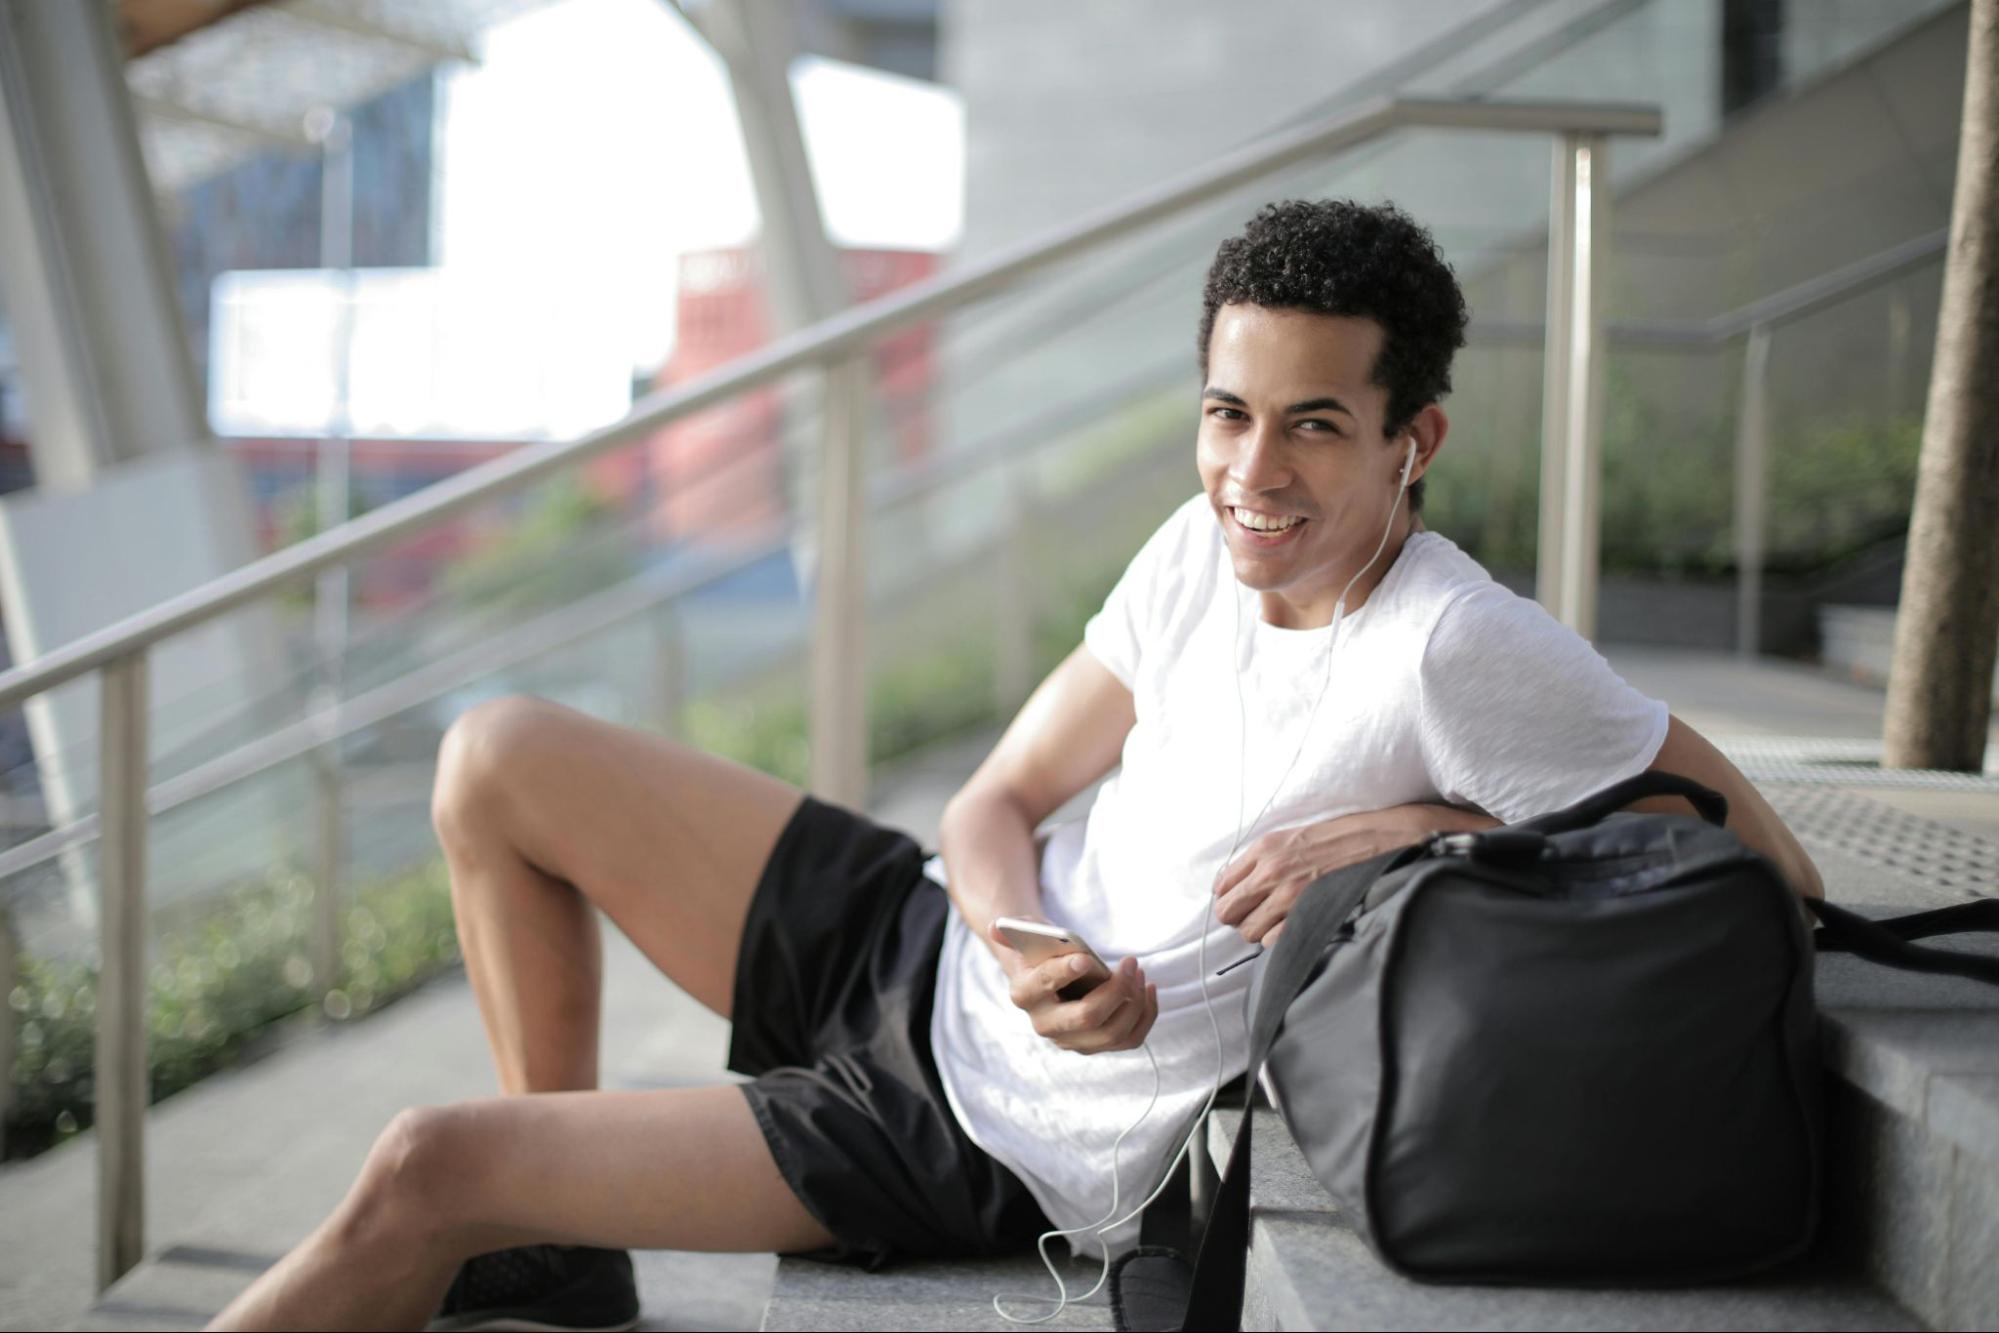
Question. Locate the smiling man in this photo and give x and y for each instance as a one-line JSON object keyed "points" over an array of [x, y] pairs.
{"points": [[1294, 675]]}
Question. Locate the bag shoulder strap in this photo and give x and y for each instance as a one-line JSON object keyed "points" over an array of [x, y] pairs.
{"points": [[1592, 809], [1324, 906], [1844, 930]]}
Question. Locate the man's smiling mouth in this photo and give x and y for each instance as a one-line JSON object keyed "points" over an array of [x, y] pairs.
{"points": [[1259, 522]]}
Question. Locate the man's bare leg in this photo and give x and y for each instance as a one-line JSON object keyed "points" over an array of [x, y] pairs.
{"points": [[681, 1168], [543, 812]]}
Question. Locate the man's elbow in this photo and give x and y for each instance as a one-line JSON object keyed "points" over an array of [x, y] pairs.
{"points": [[1807, 880], [1689, 754]]}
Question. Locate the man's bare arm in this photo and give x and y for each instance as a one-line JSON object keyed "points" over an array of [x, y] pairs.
{"points": [[1255, 893], [1750, 817], [1068, 734]]}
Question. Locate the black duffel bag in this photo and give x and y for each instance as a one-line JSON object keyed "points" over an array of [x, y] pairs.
{"points": [[1576, 1050]]}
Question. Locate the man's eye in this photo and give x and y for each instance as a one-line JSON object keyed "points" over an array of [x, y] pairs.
{"points": [[1217, 411], [1318, 421]]}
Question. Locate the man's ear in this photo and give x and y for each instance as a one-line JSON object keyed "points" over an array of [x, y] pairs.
{"points": [[1429, 426]]}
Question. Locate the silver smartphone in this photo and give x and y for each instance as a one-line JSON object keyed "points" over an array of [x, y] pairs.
{"points": [[1038, 941]]}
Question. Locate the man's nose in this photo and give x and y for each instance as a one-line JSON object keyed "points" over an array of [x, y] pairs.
{"points": [[1259, 463]]}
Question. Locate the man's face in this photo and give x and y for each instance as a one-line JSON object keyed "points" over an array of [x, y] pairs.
{"points": [[1291, 430]]}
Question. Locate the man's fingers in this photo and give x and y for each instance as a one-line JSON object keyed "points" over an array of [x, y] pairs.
{"points": [[1072, 1017], [1145, 1014], [1243, 900], [1149, 1015], [1111, 1033], [1036, 985], [1131, 1018], [1125, 1026], [1033, 986], [1269, 914], [1233, 874]]}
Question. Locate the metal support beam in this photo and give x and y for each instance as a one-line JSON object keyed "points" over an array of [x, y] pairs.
{"points": [[803, 284], [120, 1119], [839, 607], [669, 671], [1751, 473], [757, 43], [1013, 649], [334, 132], [329, 849], [1572, 384], [9, 1023], [103, 351]]}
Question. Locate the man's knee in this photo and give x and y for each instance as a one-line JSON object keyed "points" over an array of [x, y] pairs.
{"points": [[481, 748], [409, 1189]]}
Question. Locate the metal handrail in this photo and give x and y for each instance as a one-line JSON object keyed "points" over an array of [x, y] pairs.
{"points": [[924, 478], [646, 591], [1768, 312], [545, 633], [830, 340], [1754, 322]]}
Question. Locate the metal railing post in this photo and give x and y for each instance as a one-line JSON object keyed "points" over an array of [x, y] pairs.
{"points": [[1013, 652], [1572, 384], [329, 861], [1751, 472], [9, 952], [121, 971], [668, 671], [839, 631]]}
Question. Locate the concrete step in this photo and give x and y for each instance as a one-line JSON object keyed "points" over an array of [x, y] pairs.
{"points": [[183, 1287], [1913, 1146], [949, 1294]]}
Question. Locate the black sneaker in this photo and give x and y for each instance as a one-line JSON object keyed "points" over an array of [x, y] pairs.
{"points": [[542, 1287]]}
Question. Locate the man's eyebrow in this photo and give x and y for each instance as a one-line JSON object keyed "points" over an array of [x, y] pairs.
{"points": [[1309, 405]]}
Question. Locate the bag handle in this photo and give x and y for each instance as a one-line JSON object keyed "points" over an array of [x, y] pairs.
{"points": [[1711, 804], [1324, 906], [1843, 930]]}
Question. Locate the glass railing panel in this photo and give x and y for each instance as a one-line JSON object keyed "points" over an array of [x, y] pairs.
{"points": [[1842, 465], [228, 950]]}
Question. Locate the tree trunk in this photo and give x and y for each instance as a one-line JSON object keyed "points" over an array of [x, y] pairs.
{"points": [[1947, 629]]}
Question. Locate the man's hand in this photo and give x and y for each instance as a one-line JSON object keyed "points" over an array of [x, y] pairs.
{"points": [[1254, 893], [1115, 1016]]}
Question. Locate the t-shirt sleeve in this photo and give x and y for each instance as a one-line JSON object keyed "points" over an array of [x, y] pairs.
{"points": [[1521, 715], [1120, 630]]}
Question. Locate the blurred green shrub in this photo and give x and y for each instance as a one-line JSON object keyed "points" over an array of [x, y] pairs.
{"points": [[1668, 492], [218, 986], [1838, 491], [920, 699]]}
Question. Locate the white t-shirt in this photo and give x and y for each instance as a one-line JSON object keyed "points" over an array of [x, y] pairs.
{"points": [[1444, 686]]}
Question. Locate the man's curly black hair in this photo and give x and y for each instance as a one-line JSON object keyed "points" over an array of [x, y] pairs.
{"points": [[1338, 257]]}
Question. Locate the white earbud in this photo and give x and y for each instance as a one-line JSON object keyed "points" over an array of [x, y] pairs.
{"points": [[1409, 463]]}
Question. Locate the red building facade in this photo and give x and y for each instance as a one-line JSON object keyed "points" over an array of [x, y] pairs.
{"points": [[719, 476]]}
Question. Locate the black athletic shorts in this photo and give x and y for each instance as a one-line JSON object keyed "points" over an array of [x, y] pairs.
{"points": [[832, 1001]]}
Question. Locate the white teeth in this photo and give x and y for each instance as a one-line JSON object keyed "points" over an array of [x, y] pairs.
{"points": [[1258, 523]]}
